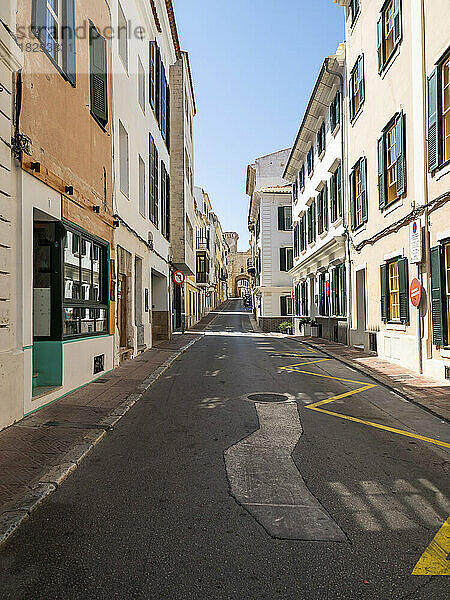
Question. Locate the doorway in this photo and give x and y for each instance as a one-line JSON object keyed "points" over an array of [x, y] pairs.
{"points": [[361, 308]]}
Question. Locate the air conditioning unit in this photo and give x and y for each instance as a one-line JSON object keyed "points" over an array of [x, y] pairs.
{"points": [[150, 240]]}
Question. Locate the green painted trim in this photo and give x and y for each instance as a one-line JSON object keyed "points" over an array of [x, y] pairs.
{"points": [[27, 347], [67, 393], [90, 337]]}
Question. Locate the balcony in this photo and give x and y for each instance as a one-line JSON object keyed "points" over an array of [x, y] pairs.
{"points": [[251, 266], [202, 243], [202, 277]]}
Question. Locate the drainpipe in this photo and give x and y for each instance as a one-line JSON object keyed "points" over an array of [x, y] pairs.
{"points": [[343, 192]]}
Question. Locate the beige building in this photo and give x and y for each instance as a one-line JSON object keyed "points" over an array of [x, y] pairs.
{"points": [[398, 186], [240, 267]]}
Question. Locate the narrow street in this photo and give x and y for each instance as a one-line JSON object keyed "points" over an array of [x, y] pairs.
{"points": [[184, 500]]}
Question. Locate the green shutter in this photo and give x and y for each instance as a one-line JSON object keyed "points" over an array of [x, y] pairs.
{"points": [[333, 199], [380, 43], [403, 279], [313, 211], [320, 212], [68, 41], [99, 83], [281, 225], [363, 167], [433, 120], [382, 195], [339, 190], [351, 95], [343, 290], [352, 200], [325, 206], [39, 20], [397, 21], [400, 151], [282, 259], [152, 71], [283, 306], [384, 293], [361, 78], [440, 333], [334, 291], [338, 107]]}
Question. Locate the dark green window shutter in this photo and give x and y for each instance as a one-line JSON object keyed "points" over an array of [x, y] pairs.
{"points": [[361, 78], [152, 73], [157, 83], [313, 212], [99, 83], [343, 290], [282, 259], [433, 120], [403, 279], [281, 226], [168, 117], [337, 101], [363, 167], [352, 200], [382, 194], [320, 212], [339, 190], [384, 293], [333, 199], [440, 333], [309, 224], [397, 21], [39, 20], [68, 41], [283, 306], [351, 99], [325, 206], [400, 151], [380, 43]]}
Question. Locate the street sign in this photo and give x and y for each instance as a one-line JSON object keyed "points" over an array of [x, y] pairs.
{"points": [[178, 277], [415, 292], [415, 241], [208, 294]]}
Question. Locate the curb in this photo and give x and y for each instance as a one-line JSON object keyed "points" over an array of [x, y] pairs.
{"points": [[382, 379], [11, 520]]}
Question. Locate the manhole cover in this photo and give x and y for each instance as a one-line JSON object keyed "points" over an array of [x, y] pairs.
{"points": [[268, 397]]}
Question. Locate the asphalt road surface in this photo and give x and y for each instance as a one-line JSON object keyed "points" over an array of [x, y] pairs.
{"points": [[203, 492]]}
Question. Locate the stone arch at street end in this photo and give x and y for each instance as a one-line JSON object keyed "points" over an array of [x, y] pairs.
{"points": [[241, 286]]}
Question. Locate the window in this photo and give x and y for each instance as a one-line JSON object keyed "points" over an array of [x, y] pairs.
{"points": [[321, 139], [440, 293], [141, 186], [122, 32], [439, 115], [163, 96], [338, 291], [85, 294], [310, 160], [53, 23], [353, 10], [394, 279], [286, 306], [356, 87], [312, 222], [324, 287], [98, 78], [322, 209], [304, 298], [286, 259], [159, 93], [335, 111], [153, 182], [165, 202], [284, 218], [152, 73], [296, 240], [124, 160], [302, 233], [391, 162], [389, 31], [301, 178], [141, 84], [336, 195], [295, 191], [358, 194]]}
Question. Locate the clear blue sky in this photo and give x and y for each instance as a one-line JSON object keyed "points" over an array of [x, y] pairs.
{"points": [[254, 64]]}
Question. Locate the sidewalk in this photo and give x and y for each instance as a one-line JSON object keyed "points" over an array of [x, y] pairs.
{"points": [[40, 451], [429, 393]]}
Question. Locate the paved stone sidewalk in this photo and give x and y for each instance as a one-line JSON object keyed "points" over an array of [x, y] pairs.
{"points": [[38, 452], [429, 393]]}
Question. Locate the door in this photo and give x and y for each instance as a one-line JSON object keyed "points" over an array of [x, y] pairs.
{"points": [[361, 309], [122, 310]]}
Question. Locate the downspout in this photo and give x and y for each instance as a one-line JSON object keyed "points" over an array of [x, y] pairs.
{"points": [[344, 194]]}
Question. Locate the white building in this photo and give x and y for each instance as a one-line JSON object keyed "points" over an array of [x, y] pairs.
{"points": [[11, 351], [316, 168], [270, 224], [141, 66]]}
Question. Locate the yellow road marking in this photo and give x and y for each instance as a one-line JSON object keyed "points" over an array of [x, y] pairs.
{"points": [[434, 561], [321, 375], [346, 394], [385, 427], [309, 362]]}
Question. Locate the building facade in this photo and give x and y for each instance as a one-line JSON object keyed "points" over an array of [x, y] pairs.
{"points": [[11, 351], [239, 266], [270, 224], [316, 167], [398, 182]]}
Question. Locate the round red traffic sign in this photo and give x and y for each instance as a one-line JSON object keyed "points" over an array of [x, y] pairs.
{"points": [[208, 294], [415, 292], [178, 277]]}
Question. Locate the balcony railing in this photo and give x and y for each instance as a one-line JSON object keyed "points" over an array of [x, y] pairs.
{"points": [[202, 277], [202, 244]]}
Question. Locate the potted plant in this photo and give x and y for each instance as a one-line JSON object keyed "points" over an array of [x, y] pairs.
{"points": [[314, 328], [286, 327]]}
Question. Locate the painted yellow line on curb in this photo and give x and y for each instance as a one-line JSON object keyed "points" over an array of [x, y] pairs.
{"points": [[434, 561], [384, 427], [344, 395]]}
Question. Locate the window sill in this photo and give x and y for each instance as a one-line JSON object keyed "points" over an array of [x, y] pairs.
{"points": [[336, 130], [444, 352], [323, 234], [359, 228], [322, 154], [337, 222], [357, 115], [312, 244], [390, 61], [442, 170], [395, 326], [389, 208], [311, 174]]}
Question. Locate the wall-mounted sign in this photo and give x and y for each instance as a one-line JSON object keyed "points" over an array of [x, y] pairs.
{"points": [[178, 277], [415, 242], [415, 292]]}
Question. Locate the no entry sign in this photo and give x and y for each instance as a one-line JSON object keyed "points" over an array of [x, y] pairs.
{"points": [[178, 277], [415, 292]]}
